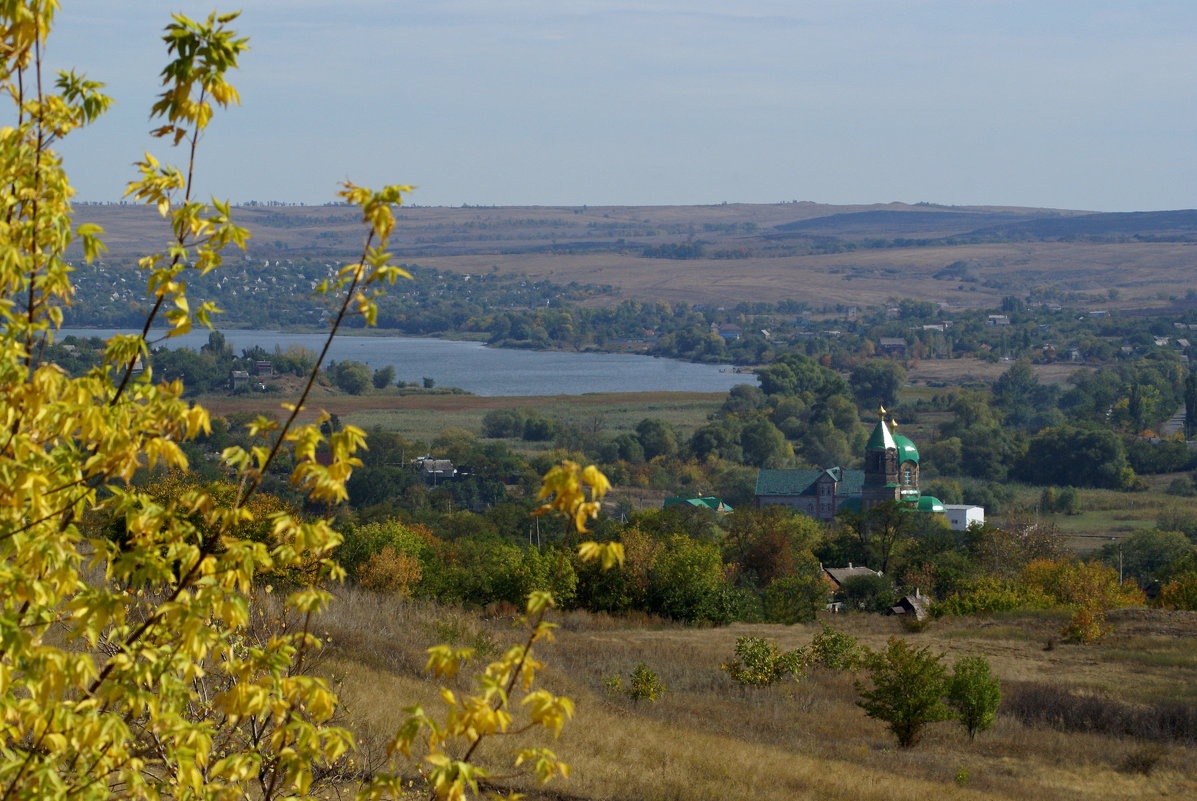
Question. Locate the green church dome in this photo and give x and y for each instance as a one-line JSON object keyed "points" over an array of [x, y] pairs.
{"points": [[906, 450], [881, 439], [929, 503]]}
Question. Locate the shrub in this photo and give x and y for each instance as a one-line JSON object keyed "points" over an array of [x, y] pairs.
{"points": [[391, 572], [988, 595], [1090, 589], [908, 686], [1180, 593], [645, 684], [759, 662], [974, 694], [1142, 760], [835, 650]]}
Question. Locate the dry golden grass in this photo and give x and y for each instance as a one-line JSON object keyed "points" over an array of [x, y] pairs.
{"points": [[864, 278], [709, 738]]}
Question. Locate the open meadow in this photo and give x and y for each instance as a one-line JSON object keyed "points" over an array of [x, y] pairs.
{"points": [[708, 737], [420, 416]]}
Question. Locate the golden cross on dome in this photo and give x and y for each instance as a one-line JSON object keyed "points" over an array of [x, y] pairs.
{"points": [[882, 411]]}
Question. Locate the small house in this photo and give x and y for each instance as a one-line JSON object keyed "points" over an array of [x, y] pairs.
{"points": [[836, 576], [435, 471], [917, 606], [729, 331], [961, 516], [704, 502]]}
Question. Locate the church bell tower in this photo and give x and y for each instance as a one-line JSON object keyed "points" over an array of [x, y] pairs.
{"points": [[881, 481]]}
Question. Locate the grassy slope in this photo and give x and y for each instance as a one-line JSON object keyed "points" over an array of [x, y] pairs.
{"points": [[709, 738]]}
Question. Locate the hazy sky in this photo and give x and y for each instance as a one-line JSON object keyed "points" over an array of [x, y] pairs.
{"points": [[1066, 103]]}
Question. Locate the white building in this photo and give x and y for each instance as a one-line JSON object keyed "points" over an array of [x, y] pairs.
{"points": [[962, 515]]}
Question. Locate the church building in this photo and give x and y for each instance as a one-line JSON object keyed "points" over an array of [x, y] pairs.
{"points": [[891, 473]]}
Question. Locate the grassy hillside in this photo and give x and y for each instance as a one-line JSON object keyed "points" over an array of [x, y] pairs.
{"points": [[708, 737]]}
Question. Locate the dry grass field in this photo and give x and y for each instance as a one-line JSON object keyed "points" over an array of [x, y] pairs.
{"points": [[965, 372], [603, 245], [708, 737], [1141, 272]]}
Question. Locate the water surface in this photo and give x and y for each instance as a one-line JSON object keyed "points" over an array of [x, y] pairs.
{"points": [[486, 371]]}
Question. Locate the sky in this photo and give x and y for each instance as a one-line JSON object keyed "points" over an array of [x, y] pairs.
{"points": [[1080, 104]]}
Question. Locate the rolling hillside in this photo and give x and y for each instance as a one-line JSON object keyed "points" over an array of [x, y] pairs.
{"points": [[741, 252]]}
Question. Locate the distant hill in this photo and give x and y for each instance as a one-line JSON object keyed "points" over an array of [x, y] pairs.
{"points": [[903, 223], [728, 253], [1181, 224]]}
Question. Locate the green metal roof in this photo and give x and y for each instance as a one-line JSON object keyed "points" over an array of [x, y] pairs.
{"points": [[881, 439], [929, 503], [906, 450], [802, 482], [708, 501]]}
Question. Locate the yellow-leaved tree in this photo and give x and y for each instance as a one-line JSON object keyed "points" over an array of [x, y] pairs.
{"points": [[129, 665]]}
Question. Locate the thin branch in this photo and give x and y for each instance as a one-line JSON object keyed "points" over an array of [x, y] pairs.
{"points": [[181, 239], [251, 485]]}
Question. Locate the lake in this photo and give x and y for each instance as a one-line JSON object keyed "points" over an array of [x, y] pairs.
{"points": [[486, 371]]}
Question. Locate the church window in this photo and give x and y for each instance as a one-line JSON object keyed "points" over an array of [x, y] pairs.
{"points": [[907, 475]]}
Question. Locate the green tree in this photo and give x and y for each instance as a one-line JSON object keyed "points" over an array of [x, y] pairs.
{"points": [[656, 437], [351, 376], [217, 348], [383, 377], [797, 598], [908, 686], [1145, 554], [881, 530], [503, 423], [763, 445], [686, 580], [1023, 400], [876, 382], [973, 694], [1087, 457]]}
